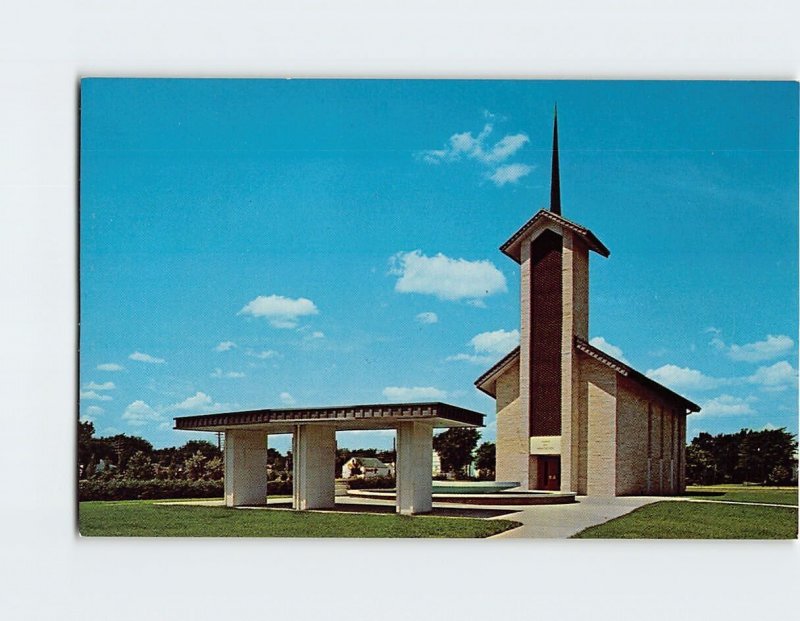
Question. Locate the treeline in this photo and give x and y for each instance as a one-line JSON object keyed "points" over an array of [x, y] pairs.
{"points": [[130, 457], [124, 467], [765, 457]]}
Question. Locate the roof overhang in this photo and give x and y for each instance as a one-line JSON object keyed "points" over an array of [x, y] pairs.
{"points": [[629, 372], [488, 381], [343, 418], [545, 219]]}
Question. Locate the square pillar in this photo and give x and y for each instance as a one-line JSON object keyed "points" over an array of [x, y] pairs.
{"points": [[414, 467], [314, 467], [245, 467]]}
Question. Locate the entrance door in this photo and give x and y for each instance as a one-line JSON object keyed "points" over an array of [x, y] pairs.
{"points": [[549, 469]]}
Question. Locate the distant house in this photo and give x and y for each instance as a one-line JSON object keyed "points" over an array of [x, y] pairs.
{"points": [[365, 468], [436, 464]]}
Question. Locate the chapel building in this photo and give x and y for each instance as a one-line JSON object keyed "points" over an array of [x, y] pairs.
{"points": [[570, 417]]}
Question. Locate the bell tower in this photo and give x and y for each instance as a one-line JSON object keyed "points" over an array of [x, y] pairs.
{"points": [[553, 254]]}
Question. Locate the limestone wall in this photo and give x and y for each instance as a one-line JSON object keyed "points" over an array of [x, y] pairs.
{"points": [[651, 435], [512, 430], [601, 450]]}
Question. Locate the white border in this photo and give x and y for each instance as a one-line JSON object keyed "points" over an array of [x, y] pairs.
{"points": [[47, 572]]}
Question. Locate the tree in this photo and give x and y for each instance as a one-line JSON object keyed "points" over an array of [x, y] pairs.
{"points": [[85, 433], [195, 466], [140, 466], [123, 447], [765, 456], [700, 465], [455, 447], [207, 449], [485, 458], [215, 469]]}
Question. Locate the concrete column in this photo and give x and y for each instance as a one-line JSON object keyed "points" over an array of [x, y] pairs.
{"points": [[681, 421], [575, 321], [516, 462], [414, 463], [245, 468], [313, 468]]}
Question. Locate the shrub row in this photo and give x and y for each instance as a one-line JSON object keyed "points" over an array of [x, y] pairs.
{"points": [[158, 489], [371, 483], [133, 489]]}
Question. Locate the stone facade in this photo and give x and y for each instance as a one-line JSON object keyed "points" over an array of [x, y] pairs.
{"points": [[621, 433], [512, 429]]}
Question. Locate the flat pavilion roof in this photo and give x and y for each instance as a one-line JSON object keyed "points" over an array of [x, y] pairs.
{"points": [[349, 417]]}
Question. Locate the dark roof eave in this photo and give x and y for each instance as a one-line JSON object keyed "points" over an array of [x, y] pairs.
{"points": [[309, 415], [497, 366], [628, 371], [590, 238]]}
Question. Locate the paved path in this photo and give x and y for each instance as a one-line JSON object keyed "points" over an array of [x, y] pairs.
{"points": [[563, 521]]}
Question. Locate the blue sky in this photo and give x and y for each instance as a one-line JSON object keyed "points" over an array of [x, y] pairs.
{"points": [[271, 243]]}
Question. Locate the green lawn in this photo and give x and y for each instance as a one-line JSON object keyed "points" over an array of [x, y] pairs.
{"points": [[143, 518], [744, 493], [698, 520]]}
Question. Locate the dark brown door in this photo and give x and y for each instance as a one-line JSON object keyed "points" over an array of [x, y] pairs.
{"points": [[549, 473]]}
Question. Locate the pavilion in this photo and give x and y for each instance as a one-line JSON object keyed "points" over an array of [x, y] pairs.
{"points": [[314, 448]]}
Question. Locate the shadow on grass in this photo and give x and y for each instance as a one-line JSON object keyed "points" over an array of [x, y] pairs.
{"points": [[703, 494]]}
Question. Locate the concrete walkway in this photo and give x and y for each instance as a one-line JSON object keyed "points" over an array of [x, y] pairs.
{"points": [[563, 521]]}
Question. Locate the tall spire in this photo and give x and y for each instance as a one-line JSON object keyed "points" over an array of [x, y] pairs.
{"points": [[555, 178]]}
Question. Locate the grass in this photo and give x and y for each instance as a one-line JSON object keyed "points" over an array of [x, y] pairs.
{"points": [[144, 518], [744, 493], [698, 520]]}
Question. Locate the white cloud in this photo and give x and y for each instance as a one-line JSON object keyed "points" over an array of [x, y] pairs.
{"points": [[771, 347], [91, 395], [506, 147], [416, 393], [488, 347], [464, 145], [727, 405], [137, 355], [225, 346], [110, 366], [434, 156], [473, 358], [281, 312], [446, 278], [228, 374], [509, 173], [498, 342], [682, 378], [611, 350], [776, 377], [262, 355], [199, 401], [96, 386], [139, 413], [317, 335], [427, 317], [91, 413], [287, 399]]}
